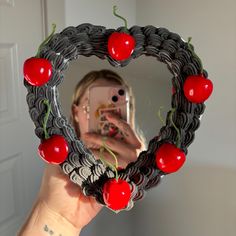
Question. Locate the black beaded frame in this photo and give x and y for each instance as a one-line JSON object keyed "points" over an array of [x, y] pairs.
{"points": [[87, 40]]}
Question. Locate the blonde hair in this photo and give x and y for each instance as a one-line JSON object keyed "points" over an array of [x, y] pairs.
{"points": [[108, 75]]}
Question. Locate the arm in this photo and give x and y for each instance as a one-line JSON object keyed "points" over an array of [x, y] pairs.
{"points": [[43, 221], [60, 209]]}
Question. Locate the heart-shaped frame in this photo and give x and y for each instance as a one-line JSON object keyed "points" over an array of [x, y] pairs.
{"points": [[87, 40]]}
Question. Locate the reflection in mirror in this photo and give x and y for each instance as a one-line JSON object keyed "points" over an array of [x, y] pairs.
{"points": [[149, 79]]}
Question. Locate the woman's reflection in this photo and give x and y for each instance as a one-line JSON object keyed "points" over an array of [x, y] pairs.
{"points": [[126, 148]]}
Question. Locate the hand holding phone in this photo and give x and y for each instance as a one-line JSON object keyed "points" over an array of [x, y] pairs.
{"points": [[103, 100], [126, 150]]}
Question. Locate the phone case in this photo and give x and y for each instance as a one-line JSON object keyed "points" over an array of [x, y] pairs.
{"points": [[107, 99]]}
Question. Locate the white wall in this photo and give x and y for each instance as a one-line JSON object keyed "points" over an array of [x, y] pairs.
{"points": [[54, 13], [99, 12]]}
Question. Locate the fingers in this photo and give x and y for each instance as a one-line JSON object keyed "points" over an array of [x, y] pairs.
{"points": [[129, 134], [118, 146]]}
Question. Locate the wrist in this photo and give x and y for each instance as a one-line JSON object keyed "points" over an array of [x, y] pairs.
{"points": [[43, 221]]}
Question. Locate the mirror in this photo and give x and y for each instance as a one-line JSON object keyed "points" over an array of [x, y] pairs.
{"points": [[150, 81], [152, 90]]}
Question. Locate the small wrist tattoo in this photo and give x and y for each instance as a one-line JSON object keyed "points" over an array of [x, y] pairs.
{"points": [[50, 231]]}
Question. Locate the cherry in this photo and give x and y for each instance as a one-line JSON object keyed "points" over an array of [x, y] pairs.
{"points": [[197, 88], [120, 45], [37, 71], [116, 194], [54, 150], [169, 158]]}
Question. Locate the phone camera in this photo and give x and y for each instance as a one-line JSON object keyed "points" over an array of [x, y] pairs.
{"points": [[121, 92], [114, 98]]}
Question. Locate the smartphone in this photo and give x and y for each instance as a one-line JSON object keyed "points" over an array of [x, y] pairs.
{"points": [[102, 99]]}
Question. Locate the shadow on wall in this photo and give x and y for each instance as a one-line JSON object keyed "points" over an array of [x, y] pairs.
{"points": [[198, 200]]}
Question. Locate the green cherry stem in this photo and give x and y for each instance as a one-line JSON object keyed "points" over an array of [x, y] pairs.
{"points": [[121, 17], [194, 54], [160, 116], [101, 150], [45, 121], [112, 154], [103, 159], [47, 39], [114, 167], [177, 130]]}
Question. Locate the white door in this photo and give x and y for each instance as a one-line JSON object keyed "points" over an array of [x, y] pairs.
{"points": [[21, 31]]}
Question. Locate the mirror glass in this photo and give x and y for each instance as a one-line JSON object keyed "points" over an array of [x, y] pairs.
{"points": [[150, 81]]}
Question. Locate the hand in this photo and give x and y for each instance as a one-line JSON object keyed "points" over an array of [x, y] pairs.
{"points": [[126, 150], [65, 198]]}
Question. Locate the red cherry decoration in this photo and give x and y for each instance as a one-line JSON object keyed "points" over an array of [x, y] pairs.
{"points": [[54, 150], [113, 131], [116, 194], [120, 45], [197, 88], [169, 158], [37, 71]]}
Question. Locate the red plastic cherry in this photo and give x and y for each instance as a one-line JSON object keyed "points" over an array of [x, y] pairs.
{"points": [[120, 45], [54, 150], [37, 71], [116, 194], [197, 88], [169, 158]]}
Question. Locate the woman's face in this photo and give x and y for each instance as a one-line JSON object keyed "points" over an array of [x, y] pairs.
{"points": [[80, 111]]}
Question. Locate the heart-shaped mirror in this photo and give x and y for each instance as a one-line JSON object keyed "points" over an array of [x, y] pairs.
{"points": [[187, 89]]}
